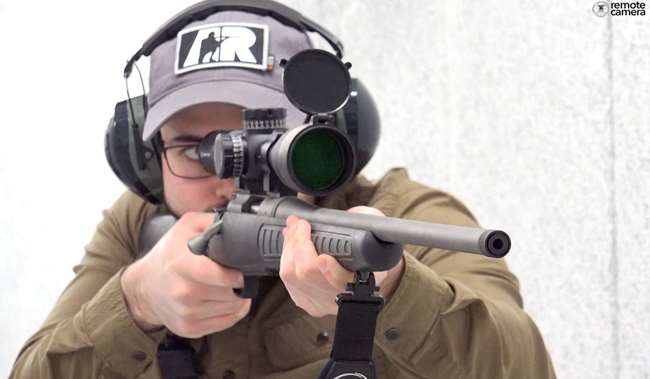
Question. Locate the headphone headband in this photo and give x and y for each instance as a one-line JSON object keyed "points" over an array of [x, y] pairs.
{"points": [[138, 163], [205, 8]]}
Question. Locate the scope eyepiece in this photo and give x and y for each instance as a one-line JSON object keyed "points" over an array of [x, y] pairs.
{"points": [[223, 154]]}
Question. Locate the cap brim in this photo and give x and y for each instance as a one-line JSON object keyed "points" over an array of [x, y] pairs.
{"points": [[244, 94]]}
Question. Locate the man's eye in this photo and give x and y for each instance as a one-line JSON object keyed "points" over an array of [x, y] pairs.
{"points": [[191, 152]]}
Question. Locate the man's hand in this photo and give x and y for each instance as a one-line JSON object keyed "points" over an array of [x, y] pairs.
{"points": [[189, 294], [313, 280]]}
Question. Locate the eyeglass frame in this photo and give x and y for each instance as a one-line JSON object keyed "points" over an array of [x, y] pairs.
{"points": [[165, 147]]}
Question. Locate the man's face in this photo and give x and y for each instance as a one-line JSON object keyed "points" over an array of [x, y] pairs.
{"points": [[184, 128]]}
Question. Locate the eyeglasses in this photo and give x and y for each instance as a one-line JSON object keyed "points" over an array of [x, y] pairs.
{"points": [[183, 161], [183, 158]]}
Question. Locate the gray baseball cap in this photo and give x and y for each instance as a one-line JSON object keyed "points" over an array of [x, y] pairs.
{"points": [[230, 57]]}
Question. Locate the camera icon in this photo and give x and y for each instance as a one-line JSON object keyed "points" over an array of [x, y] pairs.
{"points": [[601, 8]]}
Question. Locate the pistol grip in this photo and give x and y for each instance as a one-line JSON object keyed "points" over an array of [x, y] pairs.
{"points": [[251, 286]]}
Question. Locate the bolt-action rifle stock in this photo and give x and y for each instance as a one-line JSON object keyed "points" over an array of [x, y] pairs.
{"points": [[247, 235]]}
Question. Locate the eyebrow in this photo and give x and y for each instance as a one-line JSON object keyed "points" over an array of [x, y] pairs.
{"points": [[194, 138], [186, 138]]}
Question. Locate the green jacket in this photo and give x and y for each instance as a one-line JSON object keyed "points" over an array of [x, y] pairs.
{"points": [[453, 315]]}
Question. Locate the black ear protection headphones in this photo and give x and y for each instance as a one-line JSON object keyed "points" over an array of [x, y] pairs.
{"points": [[137, 163]]}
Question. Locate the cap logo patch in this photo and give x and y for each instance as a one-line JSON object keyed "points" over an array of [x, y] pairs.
{"points": [[222, 45]]}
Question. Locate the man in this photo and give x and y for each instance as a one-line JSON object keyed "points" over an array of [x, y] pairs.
{"points": [[446, 315]]}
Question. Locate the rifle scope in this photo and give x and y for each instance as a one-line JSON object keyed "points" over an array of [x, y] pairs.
{"points": [[265, 156], [314, 158]]}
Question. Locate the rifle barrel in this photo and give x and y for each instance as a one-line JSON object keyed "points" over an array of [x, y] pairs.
{"points": [[491, 243]]}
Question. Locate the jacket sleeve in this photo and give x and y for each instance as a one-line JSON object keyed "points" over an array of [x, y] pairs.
{"points": [[455, 315], [90, 332]]}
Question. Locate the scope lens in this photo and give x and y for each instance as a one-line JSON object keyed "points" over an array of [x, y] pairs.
{"points": [[317, 158]]}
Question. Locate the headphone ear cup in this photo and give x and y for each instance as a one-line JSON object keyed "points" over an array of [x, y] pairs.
{"points": [[136, 163], [361, 122]]}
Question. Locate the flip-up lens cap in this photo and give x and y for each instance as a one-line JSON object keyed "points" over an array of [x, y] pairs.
{"points": [[316, 81]]}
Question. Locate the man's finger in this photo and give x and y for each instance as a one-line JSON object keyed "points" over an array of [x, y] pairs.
{"points": [[332, 270], [203, 270], [215, 324]]}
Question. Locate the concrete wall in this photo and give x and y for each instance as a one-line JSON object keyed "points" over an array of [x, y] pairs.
{"points": [[535, 114]]}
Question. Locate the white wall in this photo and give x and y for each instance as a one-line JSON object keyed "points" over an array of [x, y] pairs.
{"points": [[535, 114]]}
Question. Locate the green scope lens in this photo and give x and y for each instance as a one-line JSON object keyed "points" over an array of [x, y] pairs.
{"points": [[318, 159]]}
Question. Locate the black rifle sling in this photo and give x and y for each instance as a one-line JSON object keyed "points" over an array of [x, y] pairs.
{"points": [[355, 331], [351, 351], [176, 358]]}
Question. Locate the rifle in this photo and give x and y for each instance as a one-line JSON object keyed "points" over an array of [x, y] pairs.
{"points": [[271, 164]]}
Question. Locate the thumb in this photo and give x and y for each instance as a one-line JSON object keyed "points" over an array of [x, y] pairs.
{"points": [[366, 210]]}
